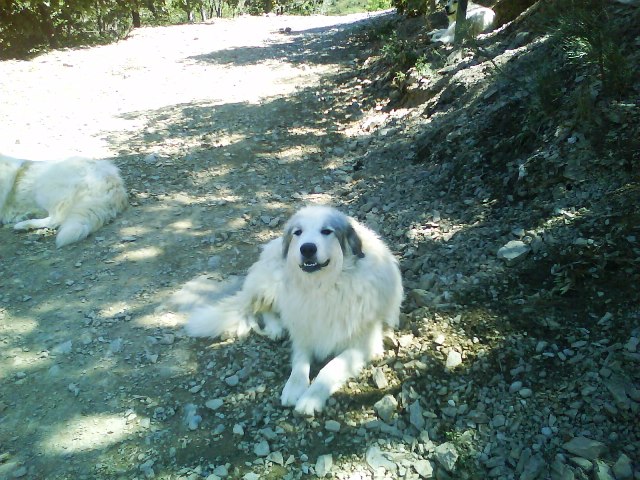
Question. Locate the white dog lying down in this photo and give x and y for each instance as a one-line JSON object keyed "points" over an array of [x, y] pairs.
{"points": [[77, 196], [480, 19], [332, 284]]}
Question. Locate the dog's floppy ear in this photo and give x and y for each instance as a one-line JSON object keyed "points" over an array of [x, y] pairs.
{"points": [[286, 239], [347, 235], [353, 239]]}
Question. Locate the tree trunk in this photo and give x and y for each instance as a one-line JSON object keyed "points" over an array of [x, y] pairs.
{"points": [[135, 18], [461, 22]]}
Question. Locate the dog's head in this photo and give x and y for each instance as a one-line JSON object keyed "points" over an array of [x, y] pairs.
{"points": [[451, 7], [319, 238]]}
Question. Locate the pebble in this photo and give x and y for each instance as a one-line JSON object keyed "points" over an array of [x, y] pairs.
{"points": [[332, 426], [446, 455], [525, 392], [424, 468], [377, 460], [622, 469], [214, 403], [585, 447], [238, 429], [513, 252], [261, 449], [386, 408], [232, 381], [515, 387], [62, 348], [602, 471], [379, 378], [221, 471], [276, 457], [191, 417], [454, 359], [416, 417], [115, 346], [498, 421], [324, 465]]}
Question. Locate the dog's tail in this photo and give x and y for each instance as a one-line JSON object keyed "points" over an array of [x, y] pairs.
{"points": [[229, 317], [92, 209]]}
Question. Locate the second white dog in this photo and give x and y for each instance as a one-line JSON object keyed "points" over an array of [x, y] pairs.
{"points": [[77, 196], [480, 19], [332, 284]]}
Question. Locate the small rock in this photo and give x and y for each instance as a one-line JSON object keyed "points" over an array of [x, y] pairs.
{"points": [[332, 426], [622, 468], [513, 252], [454, 359], [377, 460], [62, 348], [498, 421], [533, 468], [424, 468], [191, 418], [515, 387], [261, 449], [238, 429], [585, 447], [232, 381], [446, 455], [415, 415], [276, 457], [167, 339], [386, 408], [379, 378], [602, 471], [214, 404], [525, 392], [221, 471], [323, 465]]}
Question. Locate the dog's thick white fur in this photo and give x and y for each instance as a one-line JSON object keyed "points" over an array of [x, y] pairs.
{"points": [[332, 284], [77, 195], [480, 19]]}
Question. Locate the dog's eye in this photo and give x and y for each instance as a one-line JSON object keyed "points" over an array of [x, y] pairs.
{"points": [[326, 231], [297, 232]]}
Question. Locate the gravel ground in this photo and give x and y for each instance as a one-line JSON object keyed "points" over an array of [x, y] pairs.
{"points": [[510, 362]]}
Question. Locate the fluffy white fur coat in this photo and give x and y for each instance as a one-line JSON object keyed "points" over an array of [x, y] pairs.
{"points": [[77, 195], [332, 284]]}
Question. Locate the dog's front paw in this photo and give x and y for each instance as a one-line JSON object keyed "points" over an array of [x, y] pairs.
{"points": [[310, 403], [293, 390]]}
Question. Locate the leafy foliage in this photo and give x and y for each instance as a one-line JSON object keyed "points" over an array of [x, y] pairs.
{"points": [[30, 26]]}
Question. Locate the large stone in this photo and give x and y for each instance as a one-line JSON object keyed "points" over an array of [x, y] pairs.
{"points": [[513, 252], [585, 447]]}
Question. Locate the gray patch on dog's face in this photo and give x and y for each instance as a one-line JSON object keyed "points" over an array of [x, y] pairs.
{"points": [[345, 233], [286, 239]]}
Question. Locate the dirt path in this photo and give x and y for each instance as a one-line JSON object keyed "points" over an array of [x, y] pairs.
{"points": [[219, 132]]}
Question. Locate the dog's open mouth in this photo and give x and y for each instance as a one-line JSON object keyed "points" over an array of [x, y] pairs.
{"points": [[310, 266]]}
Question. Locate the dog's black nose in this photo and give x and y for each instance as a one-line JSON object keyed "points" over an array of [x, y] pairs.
{"points": [[308, 249]]}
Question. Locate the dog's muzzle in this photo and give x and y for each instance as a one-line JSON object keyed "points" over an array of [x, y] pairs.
{"points": [[309, 260]]}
